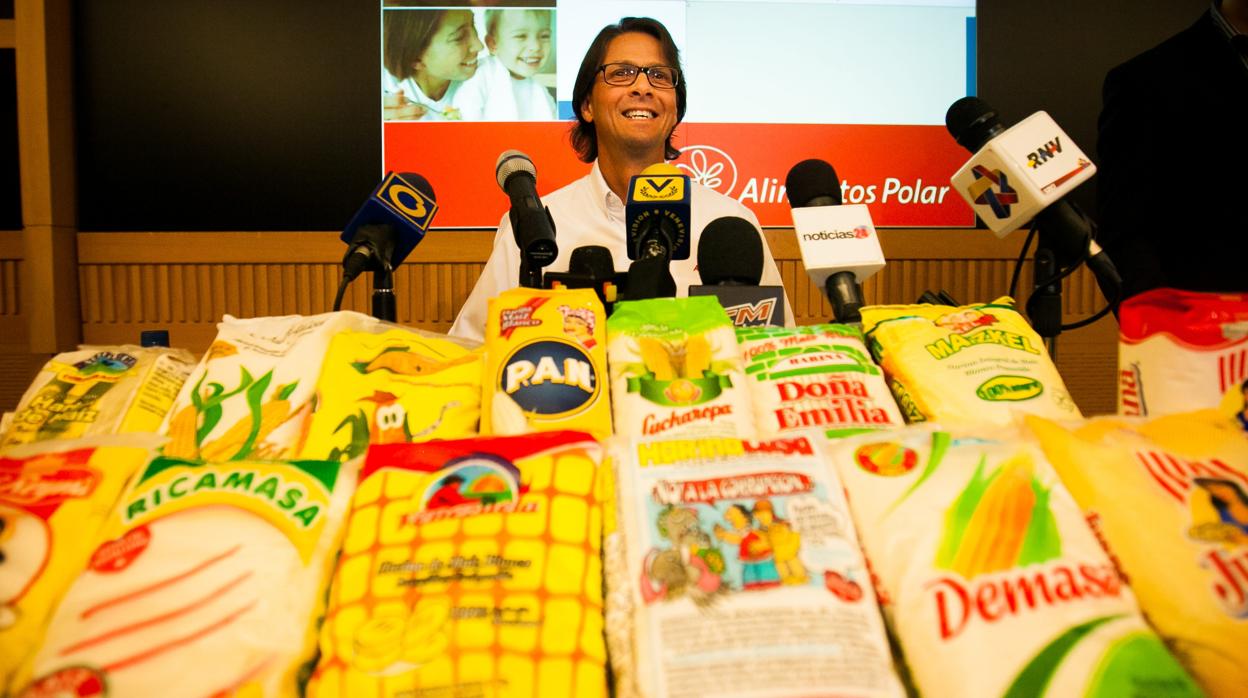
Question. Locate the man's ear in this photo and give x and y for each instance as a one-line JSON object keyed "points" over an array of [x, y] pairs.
{"points": [[490, 43], [587, 111]]}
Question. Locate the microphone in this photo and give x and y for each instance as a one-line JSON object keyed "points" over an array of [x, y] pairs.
{"points": [[531, 222], [838, 243], [730, 262], [657, 212], [590, 266], [1023, 172], [392, 221]]}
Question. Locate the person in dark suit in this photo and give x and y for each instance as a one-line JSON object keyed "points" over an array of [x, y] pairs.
{"points": [[1173, 182]]}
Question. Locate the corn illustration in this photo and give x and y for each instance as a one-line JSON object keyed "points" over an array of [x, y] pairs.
{"points": [[995, 533], [697, 356], [656, 356], [182, 434], [237, 442]]}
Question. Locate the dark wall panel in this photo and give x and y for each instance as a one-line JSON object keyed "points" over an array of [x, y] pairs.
{"points": [[10, 179]]}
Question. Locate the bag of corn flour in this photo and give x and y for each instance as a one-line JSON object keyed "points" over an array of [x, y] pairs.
{"points": [[470, 567], [99, 390], [815, 377], [966, 365], [207, 580], [1180, 351], [991, 579], [676, 370], [545, 363], [1169, 497], [54, 496]]}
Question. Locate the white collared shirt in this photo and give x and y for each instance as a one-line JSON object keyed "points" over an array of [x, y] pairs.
{"points": [[587, 212]]}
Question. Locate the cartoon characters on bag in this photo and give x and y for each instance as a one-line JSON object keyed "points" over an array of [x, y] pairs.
{"points": [[692, 567]]}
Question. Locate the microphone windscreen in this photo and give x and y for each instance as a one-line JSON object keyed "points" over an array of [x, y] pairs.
{"points": [[595, 261], [812, 183], [419, 182], [730, 251], [511, 162], [972, 122], [663, 168]]}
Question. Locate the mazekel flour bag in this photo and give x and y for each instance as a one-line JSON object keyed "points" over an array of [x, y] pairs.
{"points": [[1169, 497], [99, 390], [966, 365], [209, 581], [1180, 351], [744, 574], [993, 582], [676, 370], [54, 496], [470, 567], [251, 394], [394, 385], [819, 377], [545, 363]]}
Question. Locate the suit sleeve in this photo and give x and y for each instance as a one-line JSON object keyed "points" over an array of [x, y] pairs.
{"points": [[1123, 128]]}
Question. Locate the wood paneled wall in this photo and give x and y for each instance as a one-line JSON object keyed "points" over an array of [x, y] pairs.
{"points": [[185, 282]]}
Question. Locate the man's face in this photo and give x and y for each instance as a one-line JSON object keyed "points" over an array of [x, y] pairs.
{"points": [[638, 117]]}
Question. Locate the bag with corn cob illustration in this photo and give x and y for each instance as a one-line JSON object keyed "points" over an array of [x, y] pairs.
{"points": [[991, 579], [100, 390], [54, 496], [1170, 499], [676, 370], [209, 581], [470, 567], [393, 386], [967, 365], [742, 574], [545, 363], [250, 397], [819, 376]]}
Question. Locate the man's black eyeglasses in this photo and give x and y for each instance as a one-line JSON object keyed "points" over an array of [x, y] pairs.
{"points": [[625, 74]]}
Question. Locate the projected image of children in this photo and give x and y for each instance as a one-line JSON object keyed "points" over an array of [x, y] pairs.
{"points": [[437, 68]]}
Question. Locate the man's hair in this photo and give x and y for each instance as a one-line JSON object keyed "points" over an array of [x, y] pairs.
{"points": [[407, 34], [584, 137]]}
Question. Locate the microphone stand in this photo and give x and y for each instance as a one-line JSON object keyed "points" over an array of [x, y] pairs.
{"points": [[530, 274], [384, 306], [1044, 307]]}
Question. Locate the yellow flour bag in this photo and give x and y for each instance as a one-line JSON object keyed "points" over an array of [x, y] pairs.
{"points": [[100, 390], [470, 568], [973, 364], [545, 363], [208, 582], [1169, 497], [395, 386], [676, 370], [251, 395], [992, 581], [53, 498]]}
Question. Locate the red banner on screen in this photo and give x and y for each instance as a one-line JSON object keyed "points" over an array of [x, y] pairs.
{"points": [[901, 172]]}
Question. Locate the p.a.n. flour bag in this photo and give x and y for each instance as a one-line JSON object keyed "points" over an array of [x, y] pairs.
{"points": [[993, 582], [676, 370], [1180, 351]]}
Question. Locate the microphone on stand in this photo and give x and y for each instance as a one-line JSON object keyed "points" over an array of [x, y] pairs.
{"points": [[730, 262], [382, 233], [531, 222]]}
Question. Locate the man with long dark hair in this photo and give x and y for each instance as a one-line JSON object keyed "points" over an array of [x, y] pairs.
{"points": [[629, 97]]}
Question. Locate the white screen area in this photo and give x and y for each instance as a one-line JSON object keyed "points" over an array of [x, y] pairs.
{"points": [[815, 62]]}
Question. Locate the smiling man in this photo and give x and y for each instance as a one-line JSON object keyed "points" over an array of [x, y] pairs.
{"points": [[630, 95]]}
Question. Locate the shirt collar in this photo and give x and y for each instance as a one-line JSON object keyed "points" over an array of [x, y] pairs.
{"points": [[602, 193]]}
